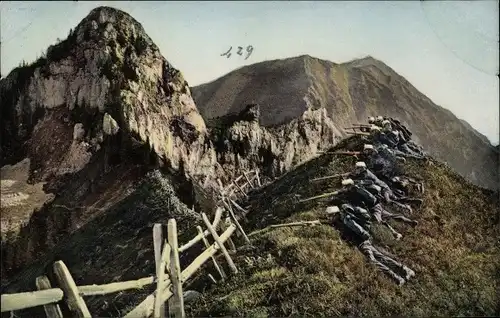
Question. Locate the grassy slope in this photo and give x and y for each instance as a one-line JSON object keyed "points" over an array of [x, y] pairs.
{"points": [[313, 271]]}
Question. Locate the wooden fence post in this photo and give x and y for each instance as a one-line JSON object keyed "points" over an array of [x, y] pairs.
{"points": [[238, 206], [230, 242], [212, 278], [51, 310], [250, 183], [159, 307], [238, 226], [216, 265], [157, 242], [18, 301], [176, 303], [240, 189], [220, 185], [219, 243], [257, 176], [68, 285]]}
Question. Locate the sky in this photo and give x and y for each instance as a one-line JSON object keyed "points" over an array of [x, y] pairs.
{"points": [[446, 49]]}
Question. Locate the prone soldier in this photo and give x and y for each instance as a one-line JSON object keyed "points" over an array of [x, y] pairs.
{"points": [[361, 236]]}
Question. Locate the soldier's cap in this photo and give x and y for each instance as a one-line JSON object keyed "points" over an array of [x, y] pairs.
{"points": [[386, 122], [347, 181], [380, 118], [371, 119], [360, 164], [368, 146], [332, 210], [374, 127]]}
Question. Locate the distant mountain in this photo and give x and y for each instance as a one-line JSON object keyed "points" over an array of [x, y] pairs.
{"points": [[350, 92]]}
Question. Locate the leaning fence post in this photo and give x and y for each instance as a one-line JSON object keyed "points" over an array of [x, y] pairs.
{"points": [[159, 306], [157, 244], [68, 285], [238, 226], [207, 245], [218, 241], [240, 189], [51, 310], [257, 176], [248, 180], [176, 303], [212, 278], [230, 242]]}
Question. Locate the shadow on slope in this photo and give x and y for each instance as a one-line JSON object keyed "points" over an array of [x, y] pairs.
{"points": [[313, 271], [115, 246]]}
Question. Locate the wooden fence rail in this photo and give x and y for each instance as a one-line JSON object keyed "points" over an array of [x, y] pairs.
{"points": [[169, 277], [18, 301]]}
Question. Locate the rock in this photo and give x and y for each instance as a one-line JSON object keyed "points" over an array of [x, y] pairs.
{"points": [[109, 125], [78, 132]]}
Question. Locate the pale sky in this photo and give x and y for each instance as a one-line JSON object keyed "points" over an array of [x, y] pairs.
{"points": [[448, 50]]}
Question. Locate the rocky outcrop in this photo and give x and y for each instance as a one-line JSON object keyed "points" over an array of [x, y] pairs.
{"points": [[91, 117], [109, 77], [290, 89], [242, 143]]}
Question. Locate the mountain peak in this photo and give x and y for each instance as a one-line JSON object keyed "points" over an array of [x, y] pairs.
{"points": [[369, 61], [104, 25]]}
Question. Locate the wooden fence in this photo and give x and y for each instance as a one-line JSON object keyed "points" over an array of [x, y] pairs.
{"points": [[169, 277]]}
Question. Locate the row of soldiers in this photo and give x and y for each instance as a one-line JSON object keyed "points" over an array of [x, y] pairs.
{"points": [[375, 191], [391, 133]]}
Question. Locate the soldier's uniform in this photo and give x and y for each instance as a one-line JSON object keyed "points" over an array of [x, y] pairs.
{"points": [[382, 214], [394, 152], [362, 173], [408, 152], [361, 215], [355, 194], [385, 263], [382, 163], [405, 132], [378, 121], [351, 222], [381, 137], [403, 183], [363, 239]]}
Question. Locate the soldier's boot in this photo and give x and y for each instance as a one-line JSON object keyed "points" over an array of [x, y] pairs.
{"points": [[400, 281], [414, 223], [409, 272], [402, 207], [408, 209], [396, 234], [415, 201]]}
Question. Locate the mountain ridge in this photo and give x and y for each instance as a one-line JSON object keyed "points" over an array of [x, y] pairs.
{"points": [[350, 92]]}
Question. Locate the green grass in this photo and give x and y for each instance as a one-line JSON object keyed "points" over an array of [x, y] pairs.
{"points": [[313, 271]]}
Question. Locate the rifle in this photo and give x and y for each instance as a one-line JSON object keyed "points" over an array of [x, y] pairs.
{"points": [[362, 125], [358, 133], [319, 196], [348, 153], [360, 128], [330, 177]]}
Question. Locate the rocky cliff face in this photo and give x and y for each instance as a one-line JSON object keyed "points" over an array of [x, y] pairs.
{"points": [[88, 120], [110, 80], [290, 90], [242, 143]]}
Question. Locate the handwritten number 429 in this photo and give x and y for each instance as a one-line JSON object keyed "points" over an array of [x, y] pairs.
{"points": [[249, 51]]}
